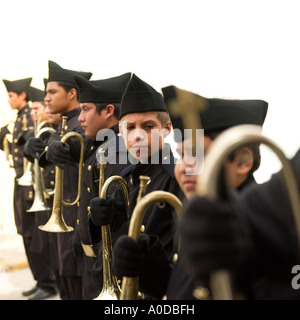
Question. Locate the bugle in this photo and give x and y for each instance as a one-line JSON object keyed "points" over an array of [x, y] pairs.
{"points": [[39, 201], [224, 144], [110, 288], [130, 285], [56, 222]]}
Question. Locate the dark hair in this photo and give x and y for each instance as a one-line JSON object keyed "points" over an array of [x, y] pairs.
{"points": [[28, 97], [102, 105], [254, 148], [69, 86]]}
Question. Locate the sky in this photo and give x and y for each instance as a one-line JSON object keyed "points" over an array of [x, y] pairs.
{"points": [[216, 48]]}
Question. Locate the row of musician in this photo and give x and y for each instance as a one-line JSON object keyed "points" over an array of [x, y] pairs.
{"points": [[207, 186]]}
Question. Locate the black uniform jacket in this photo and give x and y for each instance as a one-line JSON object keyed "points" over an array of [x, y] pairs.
{"points": [[23, 195], [272, 228], [274, 235], [159, 223], [92, 274], [69, 265]]}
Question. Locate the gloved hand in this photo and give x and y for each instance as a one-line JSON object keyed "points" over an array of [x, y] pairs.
{"points": [[3, 132], [34, 147], [213, 236], [101, 211], [24, 136], [58, 153], [129, 255]]}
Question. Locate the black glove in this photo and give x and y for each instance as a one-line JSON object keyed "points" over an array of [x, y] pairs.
{"points": [[3, 132], [213, 236], [101, 211], [129, 255], [24, 136], [58, 153], [34, 147]]}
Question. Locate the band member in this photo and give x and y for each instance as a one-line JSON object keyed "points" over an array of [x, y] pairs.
{"points": [[100, 106], [18, 98], [272, 243], [41, 262], [219, 115], [143, 112], [62, 97], [239, 167]]}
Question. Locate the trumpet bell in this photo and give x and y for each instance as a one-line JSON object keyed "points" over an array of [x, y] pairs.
{"points": [[26, 179], [38, 206], [109, 293], [56, 223]]}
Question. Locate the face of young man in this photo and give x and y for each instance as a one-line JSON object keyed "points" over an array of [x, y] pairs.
{"points": [[57, 99], [17, 101], [52, 118], [143, 134], [185, 169], [236, 170], [92, 121], [39, 109]]}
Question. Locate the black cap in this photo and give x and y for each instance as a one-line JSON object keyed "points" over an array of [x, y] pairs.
{"points": [[108, 90], [17, 85], [45, 80], [141, 97], [36, 94], [59, 74], [221, 114]]}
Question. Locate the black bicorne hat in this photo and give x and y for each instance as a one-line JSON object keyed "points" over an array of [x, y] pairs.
{"points": [[37, 94], [17, 85], [221, 114], [141, 97], [108, 90], [59, 74]]}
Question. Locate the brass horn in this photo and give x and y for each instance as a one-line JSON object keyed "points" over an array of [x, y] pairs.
{"points": [[110, 289], [27, 178], [56, 222], [130, 284], [39, 202], [221, 148]]}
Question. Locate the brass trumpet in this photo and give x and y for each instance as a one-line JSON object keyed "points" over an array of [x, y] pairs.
{"points": [[39, 202], [56, 222], [27, 179], [221, 148], [130, 284], [110, 289]]}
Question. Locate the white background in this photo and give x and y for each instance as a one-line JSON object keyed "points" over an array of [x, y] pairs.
{"points": [[216, 48]]}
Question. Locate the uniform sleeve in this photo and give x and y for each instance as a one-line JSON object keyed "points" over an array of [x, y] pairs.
{"points": [[269, 212]]}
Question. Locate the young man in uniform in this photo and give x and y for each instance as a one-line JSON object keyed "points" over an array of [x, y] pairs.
{"points": [[62, 97], [99, 118], [241, 164], [42, 266], [144, 123], [272, 245], [18, 98]]}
